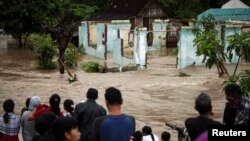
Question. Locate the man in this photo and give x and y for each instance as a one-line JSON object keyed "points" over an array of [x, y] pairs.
{"points": [[86, 112], [116, 126], [237, 110], [196, 126]]}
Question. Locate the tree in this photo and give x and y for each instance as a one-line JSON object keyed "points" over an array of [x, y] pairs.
{"points": [[192, 8], [19, 19], [210, 45], [239, 44], [45, 50], [182, 8], [61, 19]]}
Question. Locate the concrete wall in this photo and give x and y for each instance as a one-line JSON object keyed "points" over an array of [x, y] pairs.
{"points": [[186, 49], [159, 36]]}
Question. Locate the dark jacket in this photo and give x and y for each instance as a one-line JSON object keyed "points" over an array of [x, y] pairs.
{"points": [[85, 113], [195, 126]]}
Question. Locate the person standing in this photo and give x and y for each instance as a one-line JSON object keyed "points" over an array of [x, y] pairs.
{"points": [[86, 112], [196, 126], [28, 127], [9, 122], [54, 107], [237, 109], [116, 126], [68, 106]]}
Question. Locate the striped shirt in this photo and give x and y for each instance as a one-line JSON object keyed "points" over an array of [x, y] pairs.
{"points": [[12, 127]]}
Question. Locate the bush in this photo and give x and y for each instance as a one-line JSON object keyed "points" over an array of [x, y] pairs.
{"points": [[91, 66], [47, 66], [174, 52], [72, 55], [45, 50]]}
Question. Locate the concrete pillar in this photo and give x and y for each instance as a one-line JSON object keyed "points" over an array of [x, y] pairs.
{"points": [[101, 45], [142, 48]]}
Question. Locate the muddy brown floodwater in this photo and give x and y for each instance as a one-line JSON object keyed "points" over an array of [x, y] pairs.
{"points": [[154, 96]]}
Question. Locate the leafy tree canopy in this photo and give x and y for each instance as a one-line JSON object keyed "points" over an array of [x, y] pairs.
{"points": [[19, 19], [192, 8]]}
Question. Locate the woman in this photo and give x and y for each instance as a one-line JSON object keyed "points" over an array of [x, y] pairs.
{"points": [[28, 127], [54, 107], [9, 122]]}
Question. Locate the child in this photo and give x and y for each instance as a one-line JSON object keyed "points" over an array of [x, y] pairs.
{"points": [[165, 136]]}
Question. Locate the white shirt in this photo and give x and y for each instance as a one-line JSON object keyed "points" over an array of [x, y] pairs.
{"points": [[148, 138]]}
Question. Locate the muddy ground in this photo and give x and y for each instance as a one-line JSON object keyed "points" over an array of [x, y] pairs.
{"points": [[154, 96]]}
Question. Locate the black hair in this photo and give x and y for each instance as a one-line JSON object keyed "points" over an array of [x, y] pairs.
{"points": [[68, 105], [8, 107], [146, 130], [27, 102], [62, 125], [233, 90], [165, 136], [54, 102], [113, 96], [203, 103], [137, 136], [92, 93], [44, 122]]}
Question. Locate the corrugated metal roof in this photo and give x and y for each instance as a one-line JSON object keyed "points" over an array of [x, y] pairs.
{"points": [[228, 14]]}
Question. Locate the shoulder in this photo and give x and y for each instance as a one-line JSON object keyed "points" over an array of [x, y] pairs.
{"points": [[245, 102], [25, 114], [190, 121], [98, 121], [129, 116]]}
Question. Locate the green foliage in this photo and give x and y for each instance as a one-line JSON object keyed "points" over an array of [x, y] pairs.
{"points": [[45, 50], [244, 80], [240, 44], [174, 52], [19, 19], [189, 8], [82, 49], [61, 18], [182, 8], [209, 44], [47, 66], [72, 55], [90, 66]]}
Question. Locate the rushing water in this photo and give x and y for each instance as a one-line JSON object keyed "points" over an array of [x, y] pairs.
{"points": [[154, 96]]}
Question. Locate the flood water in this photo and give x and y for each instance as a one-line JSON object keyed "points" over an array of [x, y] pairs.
{"points": [[154, 96]]}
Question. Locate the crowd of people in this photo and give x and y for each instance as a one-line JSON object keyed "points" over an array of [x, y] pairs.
{"points": [[89, 121]]}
